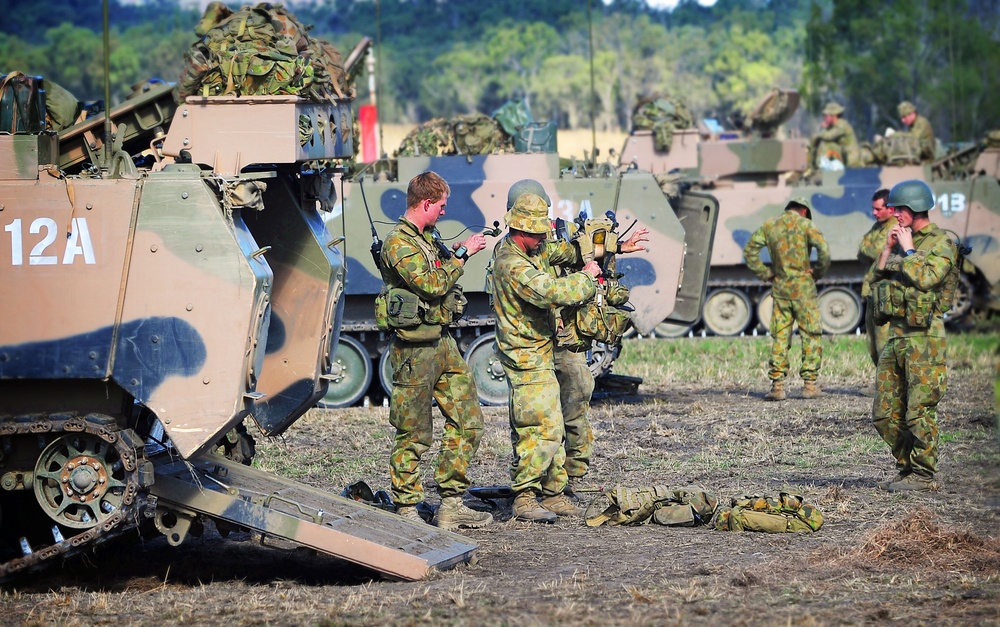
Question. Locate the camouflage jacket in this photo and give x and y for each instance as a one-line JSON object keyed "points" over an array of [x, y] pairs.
{"points": [[921, 129], [929, 269], [788, 239], [525, 298], [410, 259], [871, 247], [842, 134]]}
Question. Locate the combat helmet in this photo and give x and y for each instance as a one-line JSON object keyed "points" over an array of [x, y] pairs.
{"points": [[801, 201], [914, 194], [526, 186], [833, 108], [529, 214], [905, 108]]}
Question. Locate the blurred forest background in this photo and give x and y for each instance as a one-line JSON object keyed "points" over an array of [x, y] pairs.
{"points": [[438, 58]]}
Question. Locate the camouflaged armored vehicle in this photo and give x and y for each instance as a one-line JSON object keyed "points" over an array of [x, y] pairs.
{"points": [[168, 278], [667, 281], [754, 175]]}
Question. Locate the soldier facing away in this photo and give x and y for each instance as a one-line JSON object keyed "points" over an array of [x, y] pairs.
{"points": [[423, 299], [789, 239], [871, 246], [525, 297], [915, 280], [837, 139]]}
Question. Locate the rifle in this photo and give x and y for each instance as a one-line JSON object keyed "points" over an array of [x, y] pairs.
{"points": [[497, 492]]}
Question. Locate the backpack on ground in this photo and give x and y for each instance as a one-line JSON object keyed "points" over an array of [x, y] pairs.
{"points": [[788, 513], [675, 507]]}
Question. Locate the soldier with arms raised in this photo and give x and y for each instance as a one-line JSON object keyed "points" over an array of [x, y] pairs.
{"points": [[422, 300], [915, 281], [788, 239]]}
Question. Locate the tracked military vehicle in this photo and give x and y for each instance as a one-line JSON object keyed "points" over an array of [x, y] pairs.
{"points": [[667, 281], [754, 175], [167, 277]]}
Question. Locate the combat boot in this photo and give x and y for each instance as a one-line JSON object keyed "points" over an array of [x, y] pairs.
{"points": [[884, 485], [913, 483], [454, 514], [777, 392], [810, 389], [526, 508], [409, 512], [561, 505]]}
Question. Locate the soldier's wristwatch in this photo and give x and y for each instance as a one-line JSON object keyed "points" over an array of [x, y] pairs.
{"points": [[910, 252], [462, 253]]}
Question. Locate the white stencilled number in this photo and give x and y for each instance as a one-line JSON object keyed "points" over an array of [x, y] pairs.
{"points": [[951, 203], [37, 258], [78, 243]]}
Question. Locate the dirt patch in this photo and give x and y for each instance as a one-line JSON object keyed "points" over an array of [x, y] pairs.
{"points": [[929, 558]]}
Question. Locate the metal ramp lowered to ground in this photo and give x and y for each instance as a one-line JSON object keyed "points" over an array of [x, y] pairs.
{"points": [[216, 487]]}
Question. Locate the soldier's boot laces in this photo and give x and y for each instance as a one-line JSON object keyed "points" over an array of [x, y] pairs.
{"points": [[777, 392], [526, 507], [810, 389], [454, 514], [561, 505], [913, 483], [902, 474], [409, 512]]}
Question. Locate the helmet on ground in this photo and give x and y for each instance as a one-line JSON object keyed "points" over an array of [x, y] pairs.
{"points": [[905, 108], [914, 194], [833, 108], [526, 186], [801, 201], [529, 214]]}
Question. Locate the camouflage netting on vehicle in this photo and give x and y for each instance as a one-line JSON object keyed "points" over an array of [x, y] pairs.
{"points": [[773, 110], [259, 50], [472, 134], [663, 115]]}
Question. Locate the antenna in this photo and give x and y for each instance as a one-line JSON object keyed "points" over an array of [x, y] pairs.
{"points": [[107, 90], [593, 89]]}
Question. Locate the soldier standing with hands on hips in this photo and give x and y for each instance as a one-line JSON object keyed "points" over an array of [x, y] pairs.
{"points": [[422, 297]]}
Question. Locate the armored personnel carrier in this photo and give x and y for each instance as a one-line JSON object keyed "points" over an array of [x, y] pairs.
{"points": [[754, 175], [167, 277], [667, 281]]}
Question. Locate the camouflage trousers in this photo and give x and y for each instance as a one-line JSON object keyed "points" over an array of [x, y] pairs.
{"points": [[422, 371], [911, 379], [875, 334], [786, 313], [576, 386], [536, 432]]}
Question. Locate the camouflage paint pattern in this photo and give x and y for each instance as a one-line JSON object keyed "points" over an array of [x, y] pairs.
{"points": [[576, 386], [924, 132], [789, 239], [536, 432], [422, 372], [753, 179], [868, 251]]}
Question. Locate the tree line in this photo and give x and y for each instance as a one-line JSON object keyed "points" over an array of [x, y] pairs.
{"points": [[438, 58]]}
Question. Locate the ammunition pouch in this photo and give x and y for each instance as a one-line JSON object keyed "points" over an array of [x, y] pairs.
{"points": [[786, 514], [404, 308], [893, 300], [601, 322], [455, 302], [382, 310], [567, 336]]}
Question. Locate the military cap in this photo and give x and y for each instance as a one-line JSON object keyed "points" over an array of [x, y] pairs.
{"points": [[526, 186], [800, 201], [905, 108], [529, 214], [832, 108]]}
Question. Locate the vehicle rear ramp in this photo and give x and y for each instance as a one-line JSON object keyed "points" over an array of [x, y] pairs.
{"points": [[277, 508]]}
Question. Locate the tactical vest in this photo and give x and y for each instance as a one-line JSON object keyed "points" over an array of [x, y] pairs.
{"points": [[891, 298]]}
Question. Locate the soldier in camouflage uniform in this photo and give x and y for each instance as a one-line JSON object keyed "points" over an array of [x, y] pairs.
{"points": [[837, 139], [920, 128], [525, 299], [426, 363], [916, 277], [788, 239], [871, 246]]}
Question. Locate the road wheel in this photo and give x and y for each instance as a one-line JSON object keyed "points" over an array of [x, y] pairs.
{"points": [[671, 329], [839, 310], [350, 375], [726, 311], [765, 309], [491, 380]]}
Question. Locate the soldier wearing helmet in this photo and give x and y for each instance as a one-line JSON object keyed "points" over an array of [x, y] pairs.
{"points": [[525, 296], [837, 140], [916, 276], [789, 239], [918, 127]]}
